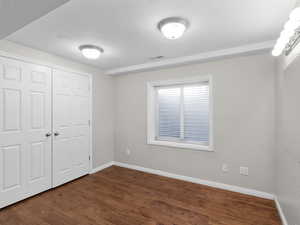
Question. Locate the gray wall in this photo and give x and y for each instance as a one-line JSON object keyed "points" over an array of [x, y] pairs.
{"points": [[243, 122], [103, 146], [288, 140], [244, 116]]}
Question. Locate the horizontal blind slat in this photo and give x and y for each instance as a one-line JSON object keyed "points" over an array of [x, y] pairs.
{"points": [[196, 113], [169, 112]]}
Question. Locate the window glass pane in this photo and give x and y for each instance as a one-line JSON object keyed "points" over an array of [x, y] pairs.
{"points": [[196, 113], [168, 112]]}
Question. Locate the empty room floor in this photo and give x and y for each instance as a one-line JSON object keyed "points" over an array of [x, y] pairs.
{"points": [[119, 196]]}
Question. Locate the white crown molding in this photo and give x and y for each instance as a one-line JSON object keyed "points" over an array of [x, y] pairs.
{"points": [[7, 50], [241, 50], [199, 181]]}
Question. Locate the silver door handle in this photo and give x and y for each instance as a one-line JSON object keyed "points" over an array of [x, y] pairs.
{"points": [[56, 133], [48, 134]]}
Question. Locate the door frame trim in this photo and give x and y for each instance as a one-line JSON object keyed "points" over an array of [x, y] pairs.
{"points": [[52, 66], [91, 123]]}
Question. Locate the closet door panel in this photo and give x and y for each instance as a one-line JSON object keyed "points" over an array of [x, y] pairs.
{"points": [[13, 174], [39, 149], [25, 117], [71, 115]]}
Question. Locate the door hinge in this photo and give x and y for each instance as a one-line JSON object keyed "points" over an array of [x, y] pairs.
{"points": [[89, 157], [89, 122]]}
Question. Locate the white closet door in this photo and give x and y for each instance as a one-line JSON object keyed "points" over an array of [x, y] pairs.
{"points": [[25, 119], [71, 119]]}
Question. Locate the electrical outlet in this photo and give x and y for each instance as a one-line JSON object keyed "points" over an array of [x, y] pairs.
{"points": [[128, 151], [244, 171], [225, 168]]}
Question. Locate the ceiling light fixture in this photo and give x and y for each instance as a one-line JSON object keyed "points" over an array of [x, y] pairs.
{"points": [[173, 27], [290, 36], [91, 51]]}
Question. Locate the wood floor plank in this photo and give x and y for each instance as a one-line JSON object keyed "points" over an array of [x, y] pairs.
{"points": [[119, 196]]}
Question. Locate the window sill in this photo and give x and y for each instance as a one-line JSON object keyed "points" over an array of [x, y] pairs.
{"points": [[181, 145]]}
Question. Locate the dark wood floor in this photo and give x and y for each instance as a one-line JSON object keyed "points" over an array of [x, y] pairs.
{"points": [[118, 196]]}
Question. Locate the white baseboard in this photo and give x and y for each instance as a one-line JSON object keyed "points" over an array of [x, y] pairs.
{"points": [[102, 167], [228, 187], [281, 214], [199, 181]]}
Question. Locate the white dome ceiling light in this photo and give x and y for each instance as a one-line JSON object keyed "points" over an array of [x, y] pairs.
{"points": [[173, 27], [290, 36], [91, 51]]}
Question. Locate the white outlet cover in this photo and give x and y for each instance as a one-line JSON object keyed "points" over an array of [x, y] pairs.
{"points": [[244, 171], [225, 168], [128, 151]]}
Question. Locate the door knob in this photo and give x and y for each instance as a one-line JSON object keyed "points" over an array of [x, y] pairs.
{"points": [[56, 133], [48, 134]]}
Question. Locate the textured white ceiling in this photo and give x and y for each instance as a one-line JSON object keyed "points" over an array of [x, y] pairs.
{"points": [[127, 29], [15, 14]]}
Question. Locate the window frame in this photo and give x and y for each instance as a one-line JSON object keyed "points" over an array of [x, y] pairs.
{"points": [[152, 106]]}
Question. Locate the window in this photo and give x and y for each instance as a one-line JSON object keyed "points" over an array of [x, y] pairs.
{"points": [[179, 113]]}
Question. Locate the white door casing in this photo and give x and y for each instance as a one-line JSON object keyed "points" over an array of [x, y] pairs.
{"points": [[25, 119], [71, 126]]}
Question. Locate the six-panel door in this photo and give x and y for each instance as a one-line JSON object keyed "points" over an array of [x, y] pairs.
{"points": [[71, 118], [44, 128], [25, 118]]}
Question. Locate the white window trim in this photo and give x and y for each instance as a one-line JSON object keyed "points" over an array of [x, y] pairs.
{"points": [[151, 113]]}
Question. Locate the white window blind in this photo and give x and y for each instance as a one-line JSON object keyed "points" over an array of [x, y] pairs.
{"points": [[183, 113], [169, 110]]}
